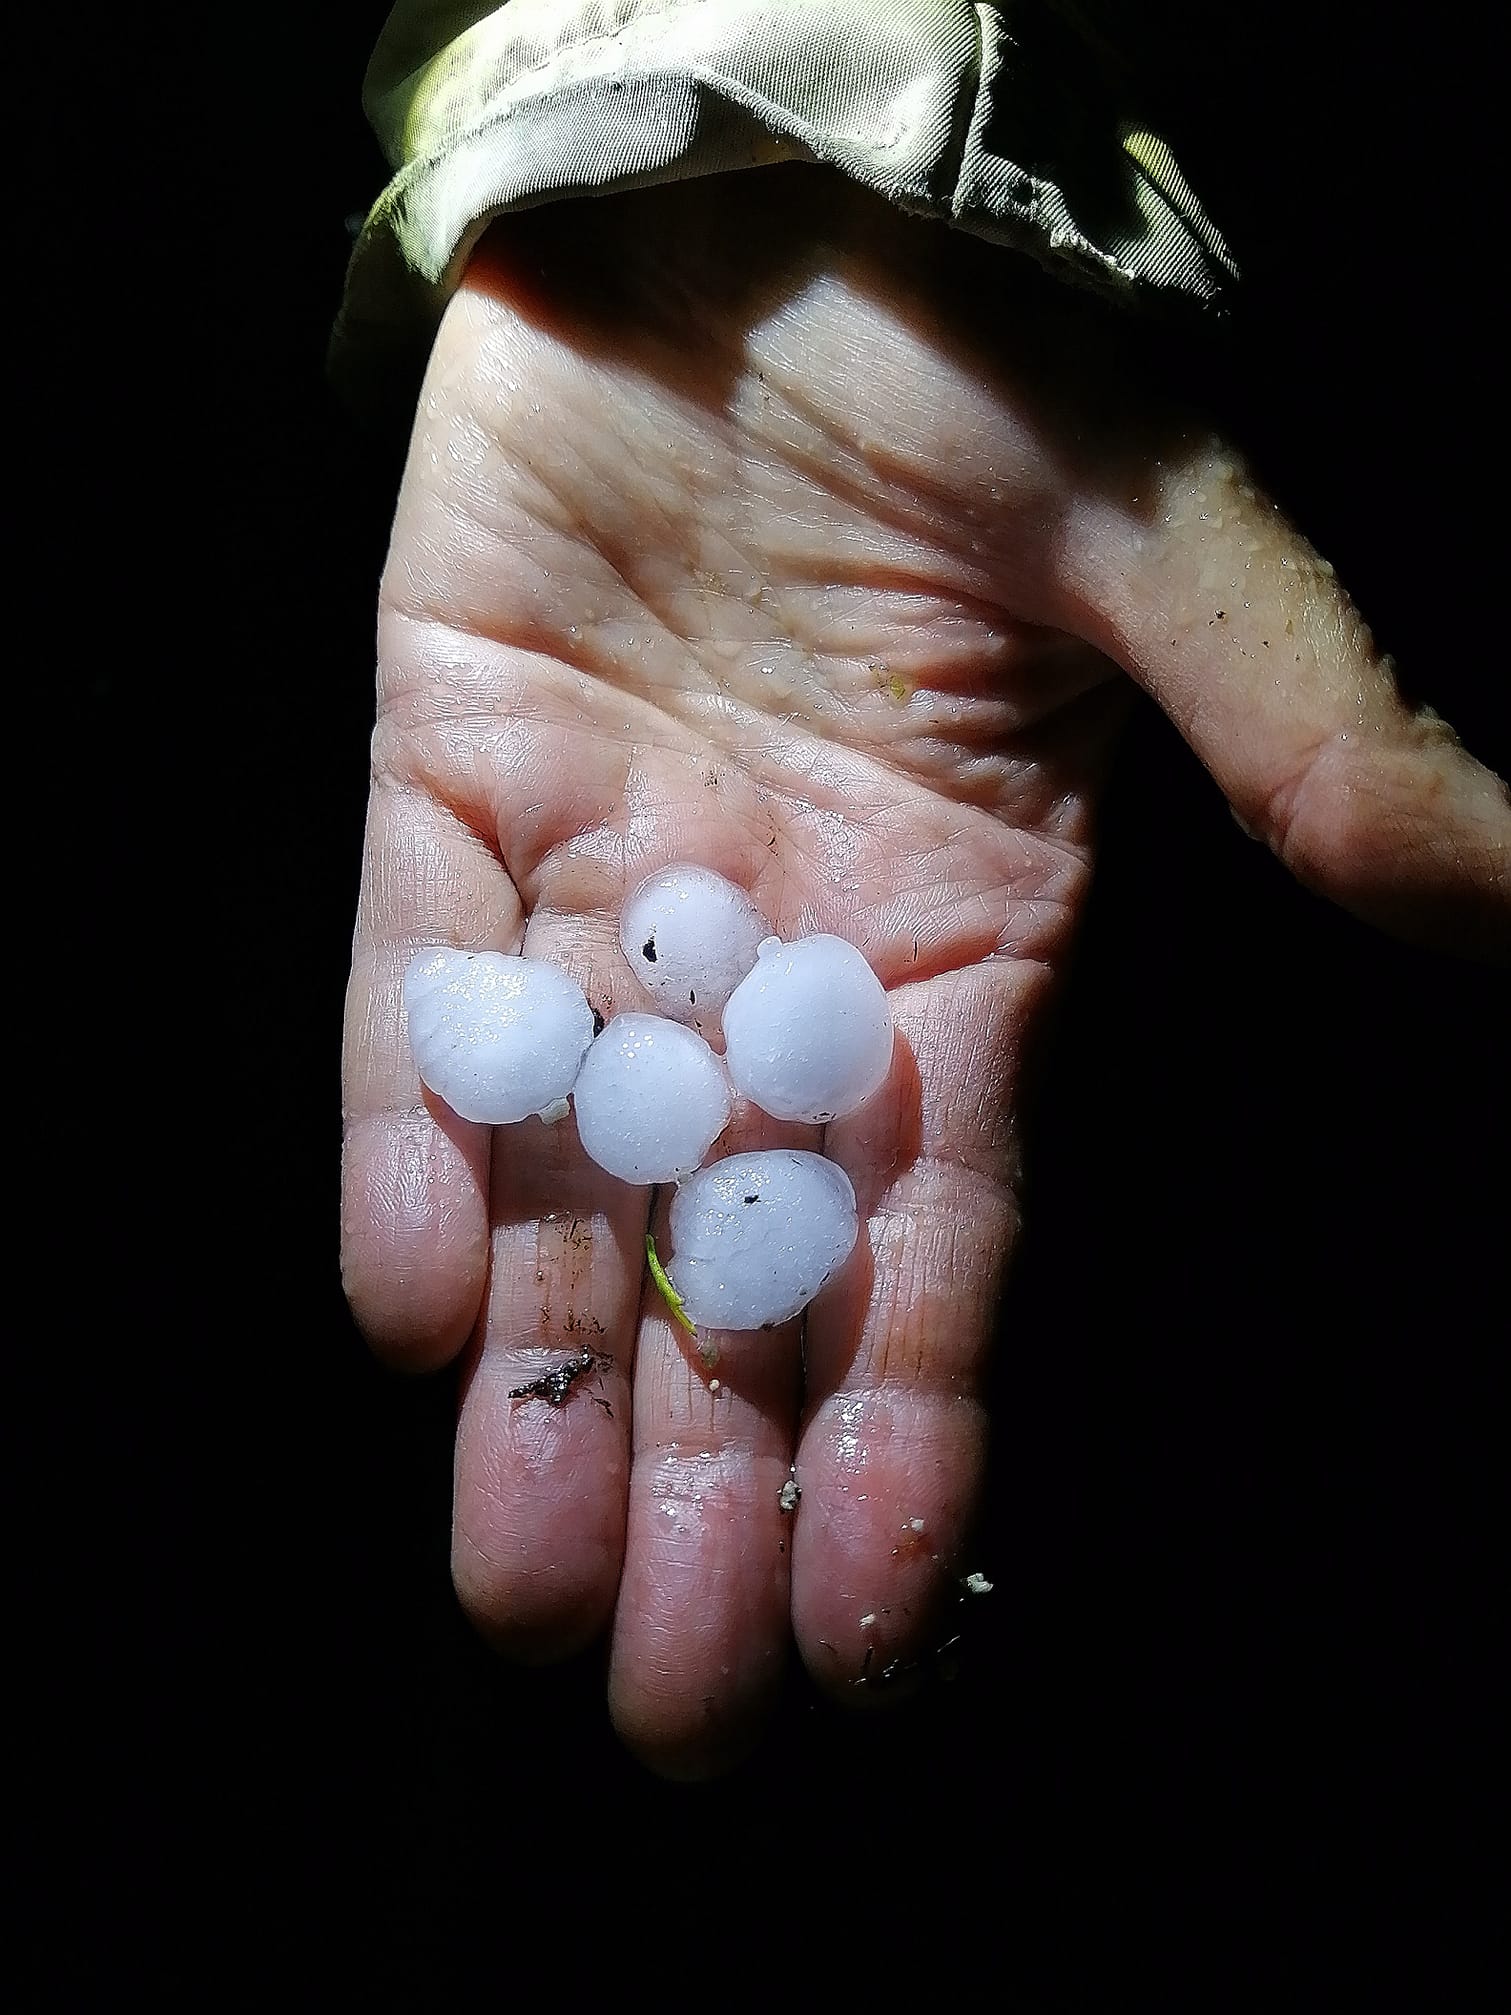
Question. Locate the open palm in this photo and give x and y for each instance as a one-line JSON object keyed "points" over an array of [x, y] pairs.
{"points": [[735, 532]]}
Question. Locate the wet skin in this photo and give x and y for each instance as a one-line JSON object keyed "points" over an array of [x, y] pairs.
{"points": [[734, 530]]}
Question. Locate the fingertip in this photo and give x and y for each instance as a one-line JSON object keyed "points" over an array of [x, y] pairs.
{"points": [[892, 1478], [700, 1742], [874, 1652], [538, 1519], [414, 1251], [702, 1627], [526, 1618], [1405, 830]]}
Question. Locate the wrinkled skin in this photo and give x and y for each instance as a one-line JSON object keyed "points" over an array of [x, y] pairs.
{"points": [[733, 531]]}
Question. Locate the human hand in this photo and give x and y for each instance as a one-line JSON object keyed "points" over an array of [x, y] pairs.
{"points": [[734, 530]]}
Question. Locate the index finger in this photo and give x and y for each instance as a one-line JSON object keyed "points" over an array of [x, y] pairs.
{"points": [[893, 1449]]}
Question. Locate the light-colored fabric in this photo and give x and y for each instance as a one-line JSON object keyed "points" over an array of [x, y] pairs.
{"points": [[1000, 119]]}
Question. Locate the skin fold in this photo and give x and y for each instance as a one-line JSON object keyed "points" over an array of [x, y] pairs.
{"points": [[755, 524]]}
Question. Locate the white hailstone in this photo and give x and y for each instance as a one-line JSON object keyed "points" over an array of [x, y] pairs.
{"points": [[808, 1034], [497, 1037], [755, 1236], [691, 937], [651, 1099]]}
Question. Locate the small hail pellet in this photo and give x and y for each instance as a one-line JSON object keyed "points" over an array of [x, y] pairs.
{"points": [[808, 1033], [691, 937], [755, 1236], [651, 1099], [496, 1037]]}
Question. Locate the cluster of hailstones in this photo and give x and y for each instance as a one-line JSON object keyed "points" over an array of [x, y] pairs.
{"points": [[807, 1036]]}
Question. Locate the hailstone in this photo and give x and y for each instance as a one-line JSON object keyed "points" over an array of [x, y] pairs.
{"points": [[651, 1099], [808, 1034], [691, 937], [496, 1037], [755, 1236]]}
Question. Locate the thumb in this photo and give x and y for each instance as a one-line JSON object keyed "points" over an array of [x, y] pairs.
{"points": [[1213, 602]]}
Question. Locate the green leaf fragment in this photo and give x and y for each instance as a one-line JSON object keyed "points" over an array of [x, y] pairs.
{"points": [[669, 1294]]}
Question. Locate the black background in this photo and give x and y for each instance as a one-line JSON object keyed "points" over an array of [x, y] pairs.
{"points": [[1221, 1736]]}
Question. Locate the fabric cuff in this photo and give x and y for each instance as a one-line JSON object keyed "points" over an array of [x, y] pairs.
{"points": [[1002, 120]]}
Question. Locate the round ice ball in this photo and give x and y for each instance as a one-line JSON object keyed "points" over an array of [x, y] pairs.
{"points": [[691, 937], [808, 1034], [651, 1099], [497, 1037], [754, 1237]]}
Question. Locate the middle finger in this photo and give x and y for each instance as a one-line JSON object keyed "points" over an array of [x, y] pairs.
{"points": [[702, 1631]]}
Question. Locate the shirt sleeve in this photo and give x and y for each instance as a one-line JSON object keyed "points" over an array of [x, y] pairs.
{"points": [[1004, 120]]}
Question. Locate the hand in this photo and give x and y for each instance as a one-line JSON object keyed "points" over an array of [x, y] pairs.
{"points": [[736, 529]]}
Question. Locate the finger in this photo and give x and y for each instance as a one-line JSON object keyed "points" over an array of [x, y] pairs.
{"points": [[891, 1455], [414, 1177], [538, 1525], [1223, 613], [702, 1627]]}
